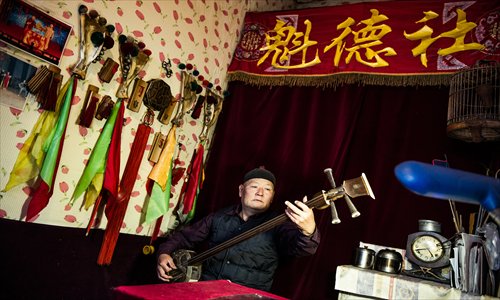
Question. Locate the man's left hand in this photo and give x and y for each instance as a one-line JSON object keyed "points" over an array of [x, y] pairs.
{"points": [[301, 215]]}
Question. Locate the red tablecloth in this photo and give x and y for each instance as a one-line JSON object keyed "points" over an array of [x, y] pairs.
{"points": [[217, 289]]}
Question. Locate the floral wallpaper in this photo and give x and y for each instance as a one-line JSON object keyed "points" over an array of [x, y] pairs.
{"points": [[199, 32]]}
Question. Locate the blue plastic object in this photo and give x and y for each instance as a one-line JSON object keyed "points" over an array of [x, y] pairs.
{"points": [[445, 183]]}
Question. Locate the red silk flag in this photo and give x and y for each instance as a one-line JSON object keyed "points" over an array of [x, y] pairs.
{"points": [[112, 172], [191, 187], [193, 180], [389, 43]]}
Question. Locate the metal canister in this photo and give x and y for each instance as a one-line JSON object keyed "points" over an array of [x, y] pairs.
{"points": [[389, 261], [364, 258], [429, 225]]}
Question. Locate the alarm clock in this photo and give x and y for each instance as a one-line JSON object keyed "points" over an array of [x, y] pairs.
{"points": [[428, 253]]}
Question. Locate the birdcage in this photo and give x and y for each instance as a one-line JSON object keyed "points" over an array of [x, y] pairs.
{"points": [[474, 103]]}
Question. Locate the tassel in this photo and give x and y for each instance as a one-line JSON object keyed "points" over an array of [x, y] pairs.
{"points": [[38, 80], [52, 92], [43, 92], [119, 208]]}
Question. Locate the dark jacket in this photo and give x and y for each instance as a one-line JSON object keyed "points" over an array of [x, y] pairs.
{"points": [[251, 262]]}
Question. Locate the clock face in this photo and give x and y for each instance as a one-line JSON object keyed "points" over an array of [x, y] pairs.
{"points": [[427, 248]]}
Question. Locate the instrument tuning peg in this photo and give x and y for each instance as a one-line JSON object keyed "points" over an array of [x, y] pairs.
{"points": [[333, 208], [354, 212], [335, 215]]}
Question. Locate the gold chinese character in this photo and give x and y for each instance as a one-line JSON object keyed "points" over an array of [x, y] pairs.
{"points": [[459, 34], [338, 42], [424, 34], [279, 42], [366, 38]]}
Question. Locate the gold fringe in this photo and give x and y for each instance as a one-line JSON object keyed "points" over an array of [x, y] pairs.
{"points": [[336, 80]]}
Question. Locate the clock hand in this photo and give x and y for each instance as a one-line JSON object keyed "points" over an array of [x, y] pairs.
{"points": [[420, 249]]}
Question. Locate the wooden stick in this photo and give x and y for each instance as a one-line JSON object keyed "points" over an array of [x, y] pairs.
{"points": [[472, 217], [454, 214]]}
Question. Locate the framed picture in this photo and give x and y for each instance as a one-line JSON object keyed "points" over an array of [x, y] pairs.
{"points": [[14, 75], [33, 30]]}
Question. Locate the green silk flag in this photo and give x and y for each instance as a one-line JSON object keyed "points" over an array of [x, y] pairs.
{"points": [[158, 201], [93, 173], [53, 142]]}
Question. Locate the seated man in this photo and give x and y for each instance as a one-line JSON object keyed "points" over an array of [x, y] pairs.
{"points": [[252, 262]]}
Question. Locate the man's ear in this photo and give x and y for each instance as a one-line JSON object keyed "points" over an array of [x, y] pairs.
{"points": [[240, 190]]}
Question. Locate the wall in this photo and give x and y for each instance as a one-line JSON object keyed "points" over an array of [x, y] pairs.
{"points": [[203, 33], [52, 258]]}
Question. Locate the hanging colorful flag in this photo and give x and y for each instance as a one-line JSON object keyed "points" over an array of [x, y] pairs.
{"points": [[176, 174], [54, 145], [161, 175], [192, 186], [93, 174], [194, 180], [32, 154], [109, 191]]}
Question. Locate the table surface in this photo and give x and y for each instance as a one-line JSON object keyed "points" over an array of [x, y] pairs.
{"points": [[216, 289]]}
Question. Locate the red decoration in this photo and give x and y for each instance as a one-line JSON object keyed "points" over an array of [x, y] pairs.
{"points": [[373, 43]]}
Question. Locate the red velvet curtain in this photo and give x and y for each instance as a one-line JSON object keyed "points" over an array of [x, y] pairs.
{"points": [[297, 132]]}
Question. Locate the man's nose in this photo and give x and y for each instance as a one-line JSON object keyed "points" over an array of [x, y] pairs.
{"points": [[260, 191]]}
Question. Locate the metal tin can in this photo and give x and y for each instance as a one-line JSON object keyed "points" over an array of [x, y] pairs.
{"points": [[389, 261], [365, 258]]}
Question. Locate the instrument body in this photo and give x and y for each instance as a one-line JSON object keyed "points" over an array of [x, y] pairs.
{"points": [[187, 272]]}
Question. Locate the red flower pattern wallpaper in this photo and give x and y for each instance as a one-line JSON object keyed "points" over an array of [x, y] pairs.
{"points": [[198, 32]]}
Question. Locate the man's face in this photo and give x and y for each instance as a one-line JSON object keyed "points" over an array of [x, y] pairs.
{"points": [[256, 194]]}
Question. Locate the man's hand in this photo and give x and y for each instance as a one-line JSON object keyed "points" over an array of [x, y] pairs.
{"points": [[165, 265], [301, 215]]}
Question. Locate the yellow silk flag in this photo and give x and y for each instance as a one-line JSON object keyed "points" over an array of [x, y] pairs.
{"points": [[161, 174], [32, 154]]}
